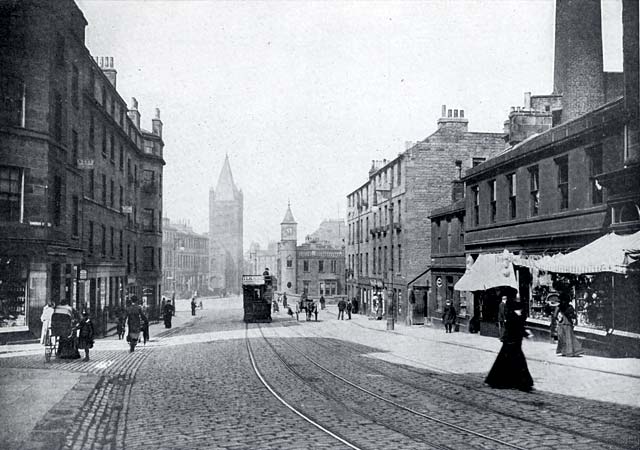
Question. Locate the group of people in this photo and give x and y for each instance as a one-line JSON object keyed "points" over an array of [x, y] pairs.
{"points": [[348, 306], [78, 331]]}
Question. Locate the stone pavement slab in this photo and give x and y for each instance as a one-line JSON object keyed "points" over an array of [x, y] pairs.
{"points": [[25, 397]]}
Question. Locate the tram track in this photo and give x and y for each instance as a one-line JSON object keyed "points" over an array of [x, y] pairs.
{"points": [[296, 411], [631, 426], [404, 415], [504, 406]]}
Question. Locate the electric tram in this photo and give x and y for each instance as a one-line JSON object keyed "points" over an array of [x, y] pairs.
{"points": [[257, 295]]}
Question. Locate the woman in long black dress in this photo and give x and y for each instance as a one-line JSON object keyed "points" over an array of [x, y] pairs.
{"points": [[510, 369]]}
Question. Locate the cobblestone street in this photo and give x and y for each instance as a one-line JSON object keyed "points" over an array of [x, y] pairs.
{"points": [[194, 387]]}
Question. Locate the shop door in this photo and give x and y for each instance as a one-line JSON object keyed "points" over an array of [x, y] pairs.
{"points": [[420, 306]]}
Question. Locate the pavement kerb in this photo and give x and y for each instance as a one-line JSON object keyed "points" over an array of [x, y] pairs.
{"points": [[537, 350]]}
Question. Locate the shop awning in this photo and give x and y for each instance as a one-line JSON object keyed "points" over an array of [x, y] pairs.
{"points": [[488, 271], [609, 253]]}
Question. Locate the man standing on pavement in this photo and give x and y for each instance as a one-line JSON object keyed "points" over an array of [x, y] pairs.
{"points": [[135, 319], [341, 306], [167, 314], [502, 316], [349, 310], [193, 306], [322, 302]]}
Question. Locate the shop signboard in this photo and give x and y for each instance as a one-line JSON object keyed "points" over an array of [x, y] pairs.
{"points": [[85, 164]]}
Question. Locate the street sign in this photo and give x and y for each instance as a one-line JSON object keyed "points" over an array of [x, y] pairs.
{"points": [[83, 274], [127, 209]]}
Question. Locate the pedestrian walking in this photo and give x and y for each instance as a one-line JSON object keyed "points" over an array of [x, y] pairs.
{"points": [[86, 334], [322, 302], [167, 314], [510, 371], [502, 311], [145, 330], [449, 316], [284, 300], [568, 344], [349, 307], [135, 319], [354, 305], [341, 307], [412, 304], [45, 318], [193, 306], [122, 319]]}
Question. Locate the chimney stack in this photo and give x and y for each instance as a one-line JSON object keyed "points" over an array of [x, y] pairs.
{"points": [[578, 72], [106, 64], [133, 112], [453, 119], [157, 124]]}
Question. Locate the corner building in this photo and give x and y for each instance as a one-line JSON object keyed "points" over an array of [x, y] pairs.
{"points": [[388, 229], [80, 180]]}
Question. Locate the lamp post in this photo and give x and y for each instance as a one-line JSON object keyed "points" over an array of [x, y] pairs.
{"points": [[390, 294]]}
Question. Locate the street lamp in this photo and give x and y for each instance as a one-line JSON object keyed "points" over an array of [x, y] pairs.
{"points": [[390, 293]]}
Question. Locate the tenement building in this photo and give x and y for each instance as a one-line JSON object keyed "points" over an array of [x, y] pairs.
{"points": [[185, 254], [80, 180], [315, 267], [570, 176], [226, 261], [388, 228]]}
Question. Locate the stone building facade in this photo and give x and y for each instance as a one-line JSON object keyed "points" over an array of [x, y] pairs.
{"points": [[185, 254], [572, 182], [226, 259], [388, 228], [80, 180], [315, 267]]}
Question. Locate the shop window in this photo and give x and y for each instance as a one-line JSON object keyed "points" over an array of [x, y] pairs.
{"points": [[305, 266], [595, 169], [511, 181], [12, 101], [534, 191], [11, 194], [563, 182], [13, 283]]}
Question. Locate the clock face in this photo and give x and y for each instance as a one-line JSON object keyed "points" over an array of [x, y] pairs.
{"points": [[289, 231]]}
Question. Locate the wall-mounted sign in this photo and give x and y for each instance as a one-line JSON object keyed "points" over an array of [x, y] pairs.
{"points": [[127, 209], [83, 274], [85, 164], [439, 282]]}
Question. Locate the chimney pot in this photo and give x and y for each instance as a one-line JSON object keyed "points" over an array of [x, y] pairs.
{"points": [[449, 113], [455, 113], [462, 113], [444, 110]]}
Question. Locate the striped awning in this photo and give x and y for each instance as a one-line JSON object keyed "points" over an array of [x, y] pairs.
{"points": [[609, 253]]}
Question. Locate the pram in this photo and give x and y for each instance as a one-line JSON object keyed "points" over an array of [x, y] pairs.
{"points": [[61, 326]]}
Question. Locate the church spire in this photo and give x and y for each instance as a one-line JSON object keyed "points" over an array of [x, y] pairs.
{"points": [[226, 189]]}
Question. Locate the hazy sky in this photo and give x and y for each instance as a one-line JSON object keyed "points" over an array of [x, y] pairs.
{"points": [[302, 96]]}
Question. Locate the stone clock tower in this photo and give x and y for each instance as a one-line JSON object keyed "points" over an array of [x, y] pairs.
{"points": [[287, 257]]}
